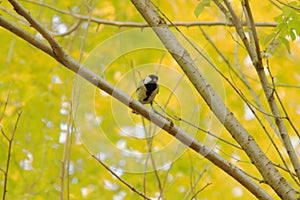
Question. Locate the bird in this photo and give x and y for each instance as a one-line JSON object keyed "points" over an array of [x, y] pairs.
{"points": [[147, 89]]}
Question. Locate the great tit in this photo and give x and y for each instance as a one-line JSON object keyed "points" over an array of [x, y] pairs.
{"points": [[147, 89]]}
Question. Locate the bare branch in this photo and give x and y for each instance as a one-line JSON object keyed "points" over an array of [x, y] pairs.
{"points": [[12, 27], [193, 186], [4, 134], [150, 136], [5, 105], [288, 5], [205, 186], [10, 143], [281, 103], [18, 17], [120, 179], [73, 28], [65, 157], [90, 10], [203, 130]]}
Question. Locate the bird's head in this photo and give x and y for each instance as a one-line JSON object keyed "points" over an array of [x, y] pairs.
{"points": [[151, 79]]}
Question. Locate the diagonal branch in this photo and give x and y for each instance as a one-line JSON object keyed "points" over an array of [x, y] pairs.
{"points": [[119, 178], [14, 28], [9, 151]]}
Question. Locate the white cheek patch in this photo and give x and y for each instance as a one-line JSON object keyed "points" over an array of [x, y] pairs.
{"points": [[147, 80]]}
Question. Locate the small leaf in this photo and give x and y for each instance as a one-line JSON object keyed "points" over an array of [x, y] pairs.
{"points": [[286, 11], [198, 10], [200, 7], [292, 34], [294, 24]]}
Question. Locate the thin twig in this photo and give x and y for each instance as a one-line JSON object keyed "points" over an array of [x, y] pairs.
{"points": [[276, 5], [73, 28], [4, 134], [193, 185], [281, 103], [5, 104], [90, 10], [65, 158], [205, 186], [10, 143], [10, 52], [288, 5], [120, 179], [26, 36], [284, 169], [199, 128], [18, 17], [169, 169], [149, 139]]}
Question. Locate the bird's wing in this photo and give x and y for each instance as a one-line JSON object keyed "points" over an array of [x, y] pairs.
{"points": [[141, 83]]}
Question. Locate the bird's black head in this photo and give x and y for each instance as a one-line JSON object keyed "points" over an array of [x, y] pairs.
{"points": [[151, 79]]}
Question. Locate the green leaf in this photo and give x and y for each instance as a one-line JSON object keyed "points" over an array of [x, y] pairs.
{"points": [[286, 11], [292, 34], [294, 24], [279, 18], [200, 7], [286, 44]]}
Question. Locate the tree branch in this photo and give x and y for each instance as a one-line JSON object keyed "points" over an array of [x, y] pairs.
{"points": [[288, 5], [10, 143], [120, 179], [14, 28]]}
